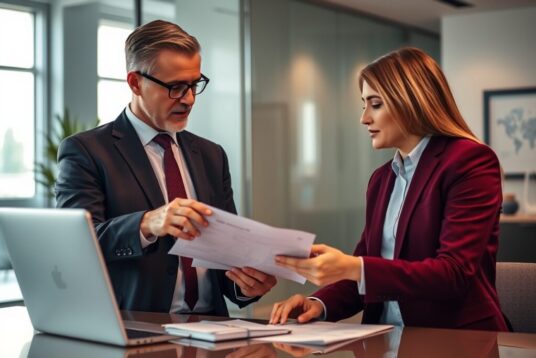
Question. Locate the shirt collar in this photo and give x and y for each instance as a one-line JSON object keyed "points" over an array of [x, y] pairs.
{"points": [[145, 132], [402, 166]]}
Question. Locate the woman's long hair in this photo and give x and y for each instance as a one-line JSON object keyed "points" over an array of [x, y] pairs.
{"points": [[416, 93]]}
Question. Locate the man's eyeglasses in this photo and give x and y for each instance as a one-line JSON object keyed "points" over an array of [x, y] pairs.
{"points": [[179, 89]]}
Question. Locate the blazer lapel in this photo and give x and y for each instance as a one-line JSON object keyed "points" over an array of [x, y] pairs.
{"points": [[196, 167], [378, 218], [428, 162], [131, 149]]}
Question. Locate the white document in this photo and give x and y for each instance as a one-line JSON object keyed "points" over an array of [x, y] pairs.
{"points": [[324, 333], [234, 241]]}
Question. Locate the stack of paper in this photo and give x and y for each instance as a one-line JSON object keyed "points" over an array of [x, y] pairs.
{"points": [[310, 334], [215, 331]]}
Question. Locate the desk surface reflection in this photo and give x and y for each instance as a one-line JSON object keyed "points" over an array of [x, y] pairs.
{"points": [[407, 342]]}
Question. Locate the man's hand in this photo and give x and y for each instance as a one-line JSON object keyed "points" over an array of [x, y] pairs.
{"points": [[177, 218], [252, 282]]}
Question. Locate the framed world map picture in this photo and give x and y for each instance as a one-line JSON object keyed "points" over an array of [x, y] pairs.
{"points": [[510, 128]]}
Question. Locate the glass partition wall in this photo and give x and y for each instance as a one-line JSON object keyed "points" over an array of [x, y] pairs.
{"points": [[311, 158], [283, 99]]}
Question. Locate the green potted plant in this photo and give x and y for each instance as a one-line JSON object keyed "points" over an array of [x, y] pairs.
{"points": [[64, 126]]}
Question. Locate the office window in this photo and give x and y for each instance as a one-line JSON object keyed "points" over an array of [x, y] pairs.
{"points": [[113, 93], [22, 115], [17, 103]]}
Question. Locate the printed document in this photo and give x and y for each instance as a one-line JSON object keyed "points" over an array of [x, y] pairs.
{"points": [[234, 241], [324, 333]]}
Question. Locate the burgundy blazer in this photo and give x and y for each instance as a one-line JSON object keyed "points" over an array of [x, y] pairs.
{"points": [[443, 272]]}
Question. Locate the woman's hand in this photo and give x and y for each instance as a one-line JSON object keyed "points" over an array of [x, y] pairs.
{"points": [[326, 265], [304, 308]]}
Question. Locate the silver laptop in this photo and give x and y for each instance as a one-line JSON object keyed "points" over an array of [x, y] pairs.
{"points": [[63, 277]]}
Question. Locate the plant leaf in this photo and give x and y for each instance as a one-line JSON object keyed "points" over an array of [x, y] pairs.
{"points": [[64, 126]]}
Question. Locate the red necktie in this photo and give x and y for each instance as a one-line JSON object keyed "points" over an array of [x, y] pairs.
{"points": [[175, 189]]}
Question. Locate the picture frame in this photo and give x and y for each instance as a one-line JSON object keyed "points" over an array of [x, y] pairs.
{"points": [[510, 128]]}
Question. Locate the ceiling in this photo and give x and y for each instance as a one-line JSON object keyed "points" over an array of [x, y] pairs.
{"points": [[424, 14]]}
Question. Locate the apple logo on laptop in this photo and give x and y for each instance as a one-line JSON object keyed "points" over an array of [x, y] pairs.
{"points": [[58, 280]]}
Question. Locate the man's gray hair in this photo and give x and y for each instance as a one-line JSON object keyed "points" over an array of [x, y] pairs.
{"points": [[145, 43]]}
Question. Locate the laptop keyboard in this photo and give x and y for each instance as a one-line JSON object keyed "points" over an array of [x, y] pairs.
{"points": [[134, 334]]}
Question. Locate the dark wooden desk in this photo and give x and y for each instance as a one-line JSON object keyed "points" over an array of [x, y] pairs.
{"points": [[17, 339]]}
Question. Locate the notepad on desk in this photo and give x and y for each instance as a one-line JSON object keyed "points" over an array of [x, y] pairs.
{"points": [[216, 331]]}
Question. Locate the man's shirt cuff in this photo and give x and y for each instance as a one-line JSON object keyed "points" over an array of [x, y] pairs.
{"points": [[147, 241], [241, 298]]}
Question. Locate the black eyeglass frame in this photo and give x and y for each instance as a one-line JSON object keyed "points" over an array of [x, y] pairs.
{"points": [[171, 87]]}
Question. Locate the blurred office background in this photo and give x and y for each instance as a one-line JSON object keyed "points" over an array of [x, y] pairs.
{"points": [[283, 98]]}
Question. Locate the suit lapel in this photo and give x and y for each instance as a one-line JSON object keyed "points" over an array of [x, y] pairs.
{"points": [[196, 167], [131, 149], [378, 218], [428, 162]]}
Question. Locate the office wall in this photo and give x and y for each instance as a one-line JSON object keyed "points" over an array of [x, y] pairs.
{"points": [[492, 50]]}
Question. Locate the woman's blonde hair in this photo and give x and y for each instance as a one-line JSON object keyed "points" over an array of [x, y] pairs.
{"points": [[416, 93]]}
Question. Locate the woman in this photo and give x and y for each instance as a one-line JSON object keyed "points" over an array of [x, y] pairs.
{"points": [[427, 253]]}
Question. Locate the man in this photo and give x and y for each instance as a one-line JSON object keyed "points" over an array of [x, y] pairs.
{"points": [[144, 179]]}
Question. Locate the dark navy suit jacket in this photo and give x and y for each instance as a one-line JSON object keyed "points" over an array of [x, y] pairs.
{"points": [[106, 171], [443, 272]]}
